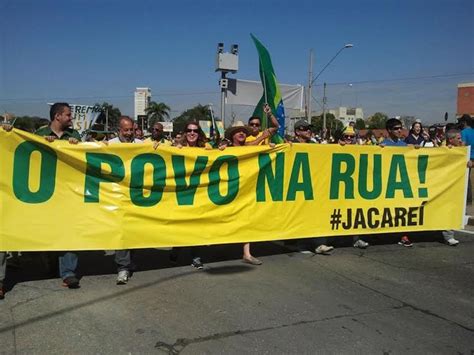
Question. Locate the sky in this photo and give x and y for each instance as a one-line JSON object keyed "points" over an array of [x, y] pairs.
{"points": [[407, 59]]}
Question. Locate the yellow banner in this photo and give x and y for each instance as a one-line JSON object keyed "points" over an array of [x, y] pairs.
{"points": [[59, 196]]}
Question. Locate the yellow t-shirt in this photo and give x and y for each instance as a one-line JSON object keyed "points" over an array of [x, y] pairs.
{"points": [[162, 141], [254, 138]]}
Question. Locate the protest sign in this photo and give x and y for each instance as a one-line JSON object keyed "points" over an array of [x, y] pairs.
{"points": [[59, 196]]}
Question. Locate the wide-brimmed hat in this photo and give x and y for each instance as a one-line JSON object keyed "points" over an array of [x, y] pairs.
{"points": [[302, 125], [237, 127]]}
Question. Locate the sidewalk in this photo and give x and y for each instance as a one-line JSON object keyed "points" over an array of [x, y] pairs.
{"points": [[468, 229], [470, 213]]}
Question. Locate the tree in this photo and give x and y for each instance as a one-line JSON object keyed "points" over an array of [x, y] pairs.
{"points": [[408, 121], [29, 124], [332, 123], [198, 113], [360, 124], [377, 120], [157, 112], [112, 112]]}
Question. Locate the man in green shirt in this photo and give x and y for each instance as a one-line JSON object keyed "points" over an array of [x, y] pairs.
{"points": [[61, 125], [61, 128]]}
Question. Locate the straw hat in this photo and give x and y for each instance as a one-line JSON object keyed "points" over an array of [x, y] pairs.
{"points": [[237, 127]]}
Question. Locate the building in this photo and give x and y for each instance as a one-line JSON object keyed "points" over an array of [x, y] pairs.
{"points": [[7, 117], [347, 115], [465, 103], [142, 100]]}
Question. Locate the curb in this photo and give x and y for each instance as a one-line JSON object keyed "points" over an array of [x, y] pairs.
{"points": [[464, 233]]}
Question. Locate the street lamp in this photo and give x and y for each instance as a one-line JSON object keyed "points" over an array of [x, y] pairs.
{"points": [[311, 80]]}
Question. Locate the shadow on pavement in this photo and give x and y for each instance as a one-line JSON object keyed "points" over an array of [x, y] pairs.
{"points": [[124, 291], [230, 269], [33, 266]]}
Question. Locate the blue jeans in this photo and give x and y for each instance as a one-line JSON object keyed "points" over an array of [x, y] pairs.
{"points": [[447, 234], [123, 259], [67, 265]]}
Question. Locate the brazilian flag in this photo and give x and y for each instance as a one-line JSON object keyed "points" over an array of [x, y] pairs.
{"points": [[271, 92]]}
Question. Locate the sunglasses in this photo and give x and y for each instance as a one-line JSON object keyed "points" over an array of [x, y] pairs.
{"points": [[302, 128], [190, 130], [255, 124], [396, 128]]}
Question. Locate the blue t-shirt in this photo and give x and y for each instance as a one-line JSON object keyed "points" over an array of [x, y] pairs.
{"points": [[412, 140], [467, 136], [391, 143]]}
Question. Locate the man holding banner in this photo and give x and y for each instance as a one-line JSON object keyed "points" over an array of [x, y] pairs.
{"points": [[157, 136], [319, 245], [61, 128], [257, 136], [123, 258], [394, 129], [61, 125]]}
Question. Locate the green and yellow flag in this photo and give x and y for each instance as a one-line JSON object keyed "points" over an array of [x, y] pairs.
{"points": [[271, 92]]}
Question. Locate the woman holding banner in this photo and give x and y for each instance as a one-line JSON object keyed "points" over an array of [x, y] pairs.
{"points": [[193, 136], [236, 136]]}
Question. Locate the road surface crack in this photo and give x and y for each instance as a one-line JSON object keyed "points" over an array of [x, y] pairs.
{"points": [[404, 303], [181, 343]]}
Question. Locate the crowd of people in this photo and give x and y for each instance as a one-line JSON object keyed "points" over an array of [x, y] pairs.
{"points": [[240, 135]]}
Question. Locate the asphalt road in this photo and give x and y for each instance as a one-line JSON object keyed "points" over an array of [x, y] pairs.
{"points": [[387, 299]]}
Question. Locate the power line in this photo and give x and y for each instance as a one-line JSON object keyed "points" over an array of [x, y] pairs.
{"points": [[18, 99], [31, 99], [400, 79]]}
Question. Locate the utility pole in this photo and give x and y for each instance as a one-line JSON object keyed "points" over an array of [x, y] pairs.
{"points": [[310, 85], [312, 80], [324, 110], [223, 85], [106, 119]]}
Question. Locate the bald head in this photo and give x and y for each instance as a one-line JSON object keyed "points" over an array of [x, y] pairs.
{"points": [[126, 130]]}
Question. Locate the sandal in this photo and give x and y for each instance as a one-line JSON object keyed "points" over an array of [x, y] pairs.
{"points": [[252, 261]]}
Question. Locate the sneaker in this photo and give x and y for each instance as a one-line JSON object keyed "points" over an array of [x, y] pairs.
{"points": [[2, 291], [361, 244], [122, 277], [405, 242], [452, 242], [71, 282], [197, 264], [323, 249]]}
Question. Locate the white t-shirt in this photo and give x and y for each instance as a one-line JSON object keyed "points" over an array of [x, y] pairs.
{"points": [[117, 140]]}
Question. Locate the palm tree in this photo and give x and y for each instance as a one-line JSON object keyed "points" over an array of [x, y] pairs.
{"points": [[157, 112], [112, 112]]}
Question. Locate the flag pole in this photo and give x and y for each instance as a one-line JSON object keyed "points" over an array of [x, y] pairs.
{"points": [[264, 92], [215, 131]]}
